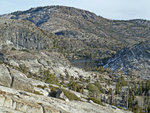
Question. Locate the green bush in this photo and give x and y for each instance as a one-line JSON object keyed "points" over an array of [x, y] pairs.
{"points": [[25, 50], [93, 90], [37, 93], [101, 69], [50, 78], [23, 68], [42, 87], [13, 49], [96, 101], [101, 89], [30, 75], [53, 88], [75, 86], [70, 95]]}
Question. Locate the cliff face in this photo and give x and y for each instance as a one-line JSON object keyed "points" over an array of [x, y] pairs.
{"points": [[134, 59], [23, 35]]}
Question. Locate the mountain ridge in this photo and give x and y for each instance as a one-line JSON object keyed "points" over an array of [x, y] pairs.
{"points": [[83, 35], [94, 32]]}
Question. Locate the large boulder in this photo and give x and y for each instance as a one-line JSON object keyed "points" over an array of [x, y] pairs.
{"points": [[5, 78], [21, 82], [60, 95]]}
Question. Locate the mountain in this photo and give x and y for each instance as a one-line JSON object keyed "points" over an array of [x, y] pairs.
{"points": [[86, 35], [39, 46], [35, 77], [135, 59]]}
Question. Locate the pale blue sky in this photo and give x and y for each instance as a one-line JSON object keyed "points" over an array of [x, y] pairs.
{"points": [[112, 9]]}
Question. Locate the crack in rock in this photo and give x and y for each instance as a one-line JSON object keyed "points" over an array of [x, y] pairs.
{"points": [[42, 108], [12, 77]]}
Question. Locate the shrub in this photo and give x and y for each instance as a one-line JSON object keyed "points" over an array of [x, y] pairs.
{"points": [[13, 49], [37, 93], [50, 78], [53, 88], [93, 90], [75, 86], [96, 101], [25, 50], [23, 68], [30, 75], [70, 95], [42, 87], [101, 89], [101, 69]]}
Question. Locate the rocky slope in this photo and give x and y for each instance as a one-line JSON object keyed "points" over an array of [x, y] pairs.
{"points": [[90, 36], [16, 101], [134, 60], [18, 93]]}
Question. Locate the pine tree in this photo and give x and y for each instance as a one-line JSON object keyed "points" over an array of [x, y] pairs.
{"points": [[117, 88]]}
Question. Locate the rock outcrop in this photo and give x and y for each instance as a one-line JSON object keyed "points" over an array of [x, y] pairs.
{"points": [[33, 61], [23, 35], [134, 60], [5, 77], [22, 94], [17, 101]]}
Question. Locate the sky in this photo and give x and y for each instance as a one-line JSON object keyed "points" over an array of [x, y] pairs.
{"points": [[111, 9]]}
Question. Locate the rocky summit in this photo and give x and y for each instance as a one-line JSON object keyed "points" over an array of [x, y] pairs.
{"points": [[58, 59]]}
